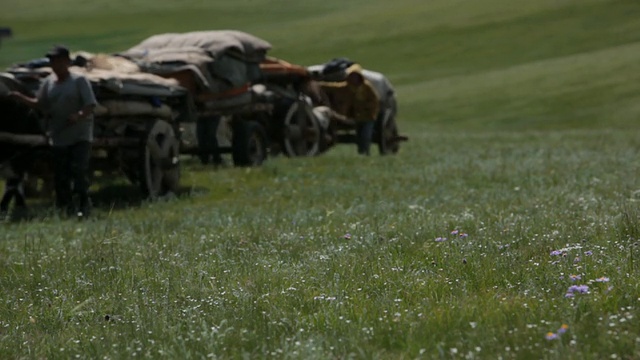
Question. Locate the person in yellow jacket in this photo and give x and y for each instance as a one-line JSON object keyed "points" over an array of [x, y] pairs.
{"points": [[355, 100]]}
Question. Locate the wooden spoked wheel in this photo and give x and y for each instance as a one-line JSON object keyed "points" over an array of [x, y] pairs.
{"points": [[302, 131], [388, 142], [160, 160]]}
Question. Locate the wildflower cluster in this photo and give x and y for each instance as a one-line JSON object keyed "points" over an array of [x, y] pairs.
{"points": [[576, 289], [576, 253], [565, 253], [552, 336], [454, 234], [459, 234]]}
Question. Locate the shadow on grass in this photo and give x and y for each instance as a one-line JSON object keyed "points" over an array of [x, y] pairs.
{"points": [[118, 197], [107, 199]]}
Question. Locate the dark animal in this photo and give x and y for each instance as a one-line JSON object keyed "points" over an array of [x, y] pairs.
{"points": [[17, 159]]}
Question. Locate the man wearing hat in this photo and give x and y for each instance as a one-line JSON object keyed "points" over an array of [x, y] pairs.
{"points": [[356, 101], [67, 101]]}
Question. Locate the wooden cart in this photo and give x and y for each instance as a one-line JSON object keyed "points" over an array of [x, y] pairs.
{"points": [[386, 134], [136, 127], [260, 100]]}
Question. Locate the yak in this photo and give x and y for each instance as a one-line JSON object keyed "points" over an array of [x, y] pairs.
{"points": [[22, 142]]}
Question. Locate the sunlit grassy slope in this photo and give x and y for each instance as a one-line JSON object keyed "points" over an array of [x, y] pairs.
{"points": [[465, 64]]}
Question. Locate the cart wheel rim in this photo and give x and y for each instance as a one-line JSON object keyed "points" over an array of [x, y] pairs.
{"points": [[161, 159], [256, 149], [388, 135], [302, 131]]}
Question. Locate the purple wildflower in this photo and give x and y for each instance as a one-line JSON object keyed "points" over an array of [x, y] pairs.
{"points": [[563, 329], [575, 277], [440, 239], [569, 295], [347, 236], [556, 253], [551, 336], [463, 235], [588, 253], [580, 289], [454, 232], [602, 279]]}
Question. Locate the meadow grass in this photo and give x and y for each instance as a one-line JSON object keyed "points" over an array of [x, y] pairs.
{"points": [[296, 260], [522, 154]]}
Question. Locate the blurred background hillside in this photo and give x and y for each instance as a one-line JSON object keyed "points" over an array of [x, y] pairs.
{"points": [[457, 64]]}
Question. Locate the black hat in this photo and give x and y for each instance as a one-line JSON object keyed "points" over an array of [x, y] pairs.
{"points": [[58, 51]]}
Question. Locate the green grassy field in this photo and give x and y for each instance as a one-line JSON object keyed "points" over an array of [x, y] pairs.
{"points": [[522, 122]]}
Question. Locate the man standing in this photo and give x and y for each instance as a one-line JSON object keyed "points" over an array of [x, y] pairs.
{"points": [[67, 101], [355, 100]]}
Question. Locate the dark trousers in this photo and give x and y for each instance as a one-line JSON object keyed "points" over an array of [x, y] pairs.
{"points": [[207, 132], [13, 189], [364, 133], [71, 166]]}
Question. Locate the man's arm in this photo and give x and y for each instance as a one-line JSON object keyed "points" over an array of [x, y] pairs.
{"points": [[88, 100], [341, 118]]}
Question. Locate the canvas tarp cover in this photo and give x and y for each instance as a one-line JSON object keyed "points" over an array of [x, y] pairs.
{"points": [[8, 82], [118, 75], [218, 61], [142, 84], [214, 43], [338, 73]]}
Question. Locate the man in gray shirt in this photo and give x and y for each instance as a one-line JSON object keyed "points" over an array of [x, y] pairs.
{"points": [[67, 101]]}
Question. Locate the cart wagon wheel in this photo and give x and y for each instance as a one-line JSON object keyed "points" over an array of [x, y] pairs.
{"points": [[160, 162], [248, 143], [302, 131], [387, 130]]}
